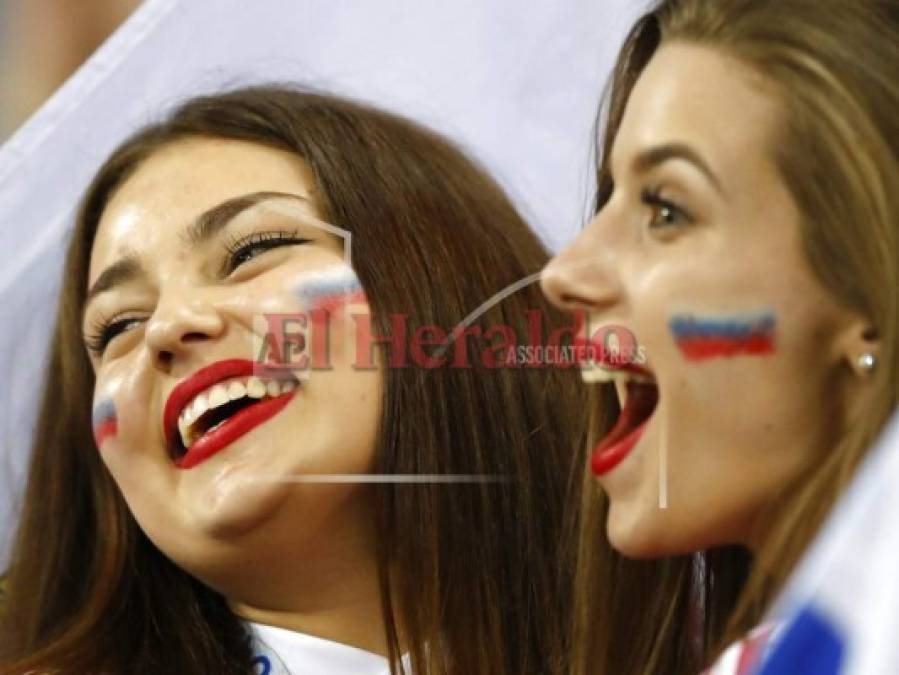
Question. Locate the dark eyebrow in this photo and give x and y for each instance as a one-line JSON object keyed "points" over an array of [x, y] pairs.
{"points": [[123, 270], [205, 227], [651, 158]]}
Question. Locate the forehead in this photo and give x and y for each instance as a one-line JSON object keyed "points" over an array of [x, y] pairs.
{"points": [[183, 180], [703, 97]]}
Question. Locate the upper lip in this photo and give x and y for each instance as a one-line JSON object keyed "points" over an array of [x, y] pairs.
{"points": [[608, 362], [188, 388], [627, 368]]}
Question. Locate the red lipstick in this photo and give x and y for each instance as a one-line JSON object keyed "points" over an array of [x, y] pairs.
{"points": [[618, 443], [228, 431]]}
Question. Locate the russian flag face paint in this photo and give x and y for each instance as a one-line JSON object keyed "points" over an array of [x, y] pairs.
{"points": [[702, 338], [105, 421], [331, 289], [303, 339]]}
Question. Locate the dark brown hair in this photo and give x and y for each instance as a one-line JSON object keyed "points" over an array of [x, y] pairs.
{"points": [[475, 572], [833, 69]]}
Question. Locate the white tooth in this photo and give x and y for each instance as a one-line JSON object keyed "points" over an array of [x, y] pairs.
{"points": [[200, 405], [236, 390], [255, 387], [184, 430], [273, 388], [290, 385], [218, 396], [193, 411], [594, 374]]}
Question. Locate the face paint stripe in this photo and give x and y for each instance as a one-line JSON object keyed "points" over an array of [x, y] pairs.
{"points": [[104, 431], [105, 421], [330, 291], [702, 338], [333, 302]]}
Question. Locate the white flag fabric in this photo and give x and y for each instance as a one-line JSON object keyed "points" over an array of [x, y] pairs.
{"points": [[839, 615], [517, 84]]}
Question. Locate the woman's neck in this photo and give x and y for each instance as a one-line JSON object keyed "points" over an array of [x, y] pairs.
{"points": [[342, 604], [329, 587]]}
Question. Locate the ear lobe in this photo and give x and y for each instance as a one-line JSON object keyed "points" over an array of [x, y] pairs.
{"points": [[862, 348]]}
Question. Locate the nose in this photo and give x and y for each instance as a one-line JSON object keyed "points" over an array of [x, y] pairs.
{"points": [[183, 320], [583, 276]]}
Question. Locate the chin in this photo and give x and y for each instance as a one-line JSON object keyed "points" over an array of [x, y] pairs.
{"points": [[639, 536], [244, 513]]}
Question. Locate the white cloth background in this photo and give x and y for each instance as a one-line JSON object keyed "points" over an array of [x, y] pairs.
{"points": [[517, 84]]}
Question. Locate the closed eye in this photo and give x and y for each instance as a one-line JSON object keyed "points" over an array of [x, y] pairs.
{"points": [[245, 248], [239, 251], [105, 331]]}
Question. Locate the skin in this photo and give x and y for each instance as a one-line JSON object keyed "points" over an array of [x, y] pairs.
{"points": [[295, 555], [734, 431]]}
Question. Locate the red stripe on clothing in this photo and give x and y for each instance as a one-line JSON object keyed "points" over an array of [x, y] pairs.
{"points": [[752, 651]]}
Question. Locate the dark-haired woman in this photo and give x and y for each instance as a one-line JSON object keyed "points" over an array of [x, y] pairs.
{"points": [[392, 502]]}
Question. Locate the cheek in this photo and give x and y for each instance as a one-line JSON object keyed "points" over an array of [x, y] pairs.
{"points": [[104, 419], [122, 421], [334, 300], [331, 289], [310, 321], [110, 394]]}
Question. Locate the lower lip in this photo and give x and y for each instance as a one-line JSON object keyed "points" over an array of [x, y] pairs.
{"points": [[604, 459], [236, 426]]}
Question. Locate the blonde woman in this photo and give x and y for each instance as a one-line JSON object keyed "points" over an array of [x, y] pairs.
{"points": [[747, 236]]}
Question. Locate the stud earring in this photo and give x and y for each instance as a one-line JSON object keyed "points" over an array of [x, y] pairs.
{"points": [[867, 362]]}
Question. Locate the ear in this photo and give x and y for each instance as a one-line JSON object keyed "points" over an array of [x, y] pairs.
{"points": [[860, 347]]}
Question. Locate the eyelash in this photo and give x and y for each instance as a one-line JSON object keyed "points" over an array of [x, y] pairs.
{"points": [[266, 240], [103, 331], [651, 197]]}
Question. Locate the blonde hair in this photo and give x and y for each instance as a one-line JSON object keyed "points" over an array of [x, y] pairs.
{"points": [[833, 66]]}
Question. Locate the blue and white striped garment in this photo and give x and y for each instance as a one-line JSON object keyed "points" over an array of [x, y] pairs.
{"points": [[841, 607]]}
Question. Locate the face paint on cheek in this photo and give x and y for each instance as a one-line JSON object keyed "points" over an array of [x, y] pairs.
{"points": [[301, 340], [330, 290], [105, 421], [702, 338]]}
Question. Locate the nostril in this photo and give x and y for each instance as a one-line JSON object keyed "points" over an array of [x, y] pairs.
{"points": [[572, 302], [164, 358], [193, 337]]}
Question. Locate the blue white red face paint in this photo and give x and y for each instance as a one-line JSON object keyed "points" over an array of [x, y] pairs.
{"points": [[104, 420], [701, 338], [331, 289], [299, 339]]}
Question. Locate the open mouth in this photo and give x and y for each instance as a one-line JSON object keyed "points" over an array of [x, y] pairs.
{"points": [[217, 405], [221, 404], [640, 399]]}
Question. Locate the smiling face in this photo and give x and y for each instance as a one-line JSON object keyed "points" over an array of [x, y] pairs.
{"points": [[174, 332], [698, 254]]}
